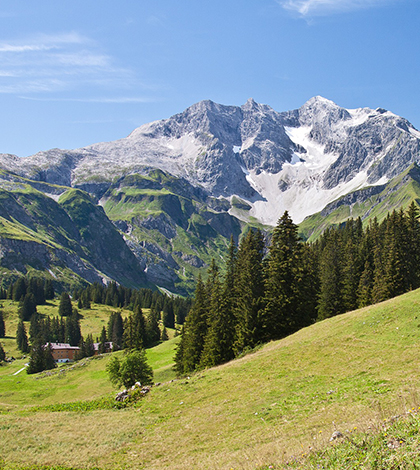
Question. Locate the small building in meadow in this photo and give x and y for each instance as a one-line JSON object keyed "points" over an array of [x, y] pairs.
{"points": [[108, 347], [63, 352]]}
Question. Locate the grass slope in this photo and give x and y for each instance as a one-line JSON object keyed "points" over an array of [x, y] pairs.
{"points": [[397, 194], [354, 370]]}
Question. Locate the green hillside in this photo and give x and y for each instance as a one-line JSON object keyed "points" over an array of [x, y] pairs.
{"points": [[366, 203], [350, 371]]}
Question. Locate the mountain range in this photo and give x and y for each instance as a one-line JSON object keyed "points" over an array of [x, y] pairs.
{"points": [[154, 208]]}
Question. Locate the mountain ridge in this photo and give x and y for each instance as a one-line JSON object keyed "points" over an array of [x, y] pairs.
{"points": [[177, 188]]}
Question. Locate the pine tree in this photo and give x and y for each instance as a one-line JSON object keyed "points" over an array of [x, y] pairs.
{"points": [[27, 307], [102, 342], [36, 288], [49, 290], [117, 330], [73, 334], [41, 358], [21, 338], [152, 330], [412, 248], [218, 342], [2, 326], [330, 274], [2, 354], [19, 289], [195, 330], [248, 291], [35, 328], [284, 277], [65, 308], [164, 334]]}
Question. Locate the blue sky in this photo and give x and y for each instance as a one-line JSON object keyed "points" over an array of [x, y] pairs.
{"points": [[78, 72]]}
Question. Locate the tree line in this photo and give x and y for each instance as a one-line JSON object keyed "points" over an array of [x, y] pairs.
{"points": [[272, 288]]}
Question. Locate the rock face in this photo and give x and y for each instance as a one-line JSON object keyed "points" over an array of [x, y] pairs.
{"points": [[177, 189]]}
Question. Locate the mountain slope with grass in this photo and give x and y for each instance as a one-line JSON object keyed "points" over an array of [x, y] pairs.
{"points": [[177, 189], [286, 398]]}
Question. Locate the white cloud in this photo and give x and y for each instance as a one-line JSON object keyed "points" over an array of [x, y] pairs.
{"points": [[307, 8], [63, 63]]}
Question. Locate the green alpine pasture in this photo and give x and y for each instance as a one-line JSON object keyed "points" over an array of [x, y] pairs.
{"points": [[397, 194], [276, 407]]}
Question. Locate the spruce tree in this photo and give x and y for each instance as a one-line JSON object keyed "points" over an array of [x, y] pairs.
{"points": [[49, 290], [218, 342], [248, 291], [152, 330], [2, 326], [21, 338], [102, 341], [65, 308], [330, 274], [27, 307], [19, 289], [2, 354], [284, 277], [195, 330]]}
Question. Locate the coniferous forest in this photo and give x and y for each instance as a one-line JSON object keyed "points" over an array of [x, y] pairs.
{"points": [[272, 288]]}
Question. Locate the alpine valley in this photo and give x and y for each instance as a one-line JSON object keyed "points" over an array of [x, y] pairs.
{"points": [[154, 208]]}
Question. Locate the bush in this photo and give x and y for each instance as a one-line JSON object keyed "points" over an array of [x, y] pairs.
{"points": [[132, 368]]}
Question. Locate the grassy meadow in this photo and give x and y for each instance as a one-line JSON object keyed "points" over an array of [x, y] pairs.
{"points": [[270, 409]]}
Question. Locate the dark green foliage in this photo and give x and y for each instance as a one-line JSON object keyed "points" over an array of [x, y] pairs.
{"points": [[65, 308], [135, 330], [102, 342], [35, 328], [37, 289], [73, 334], [132, 368], [194, 332], [86, 348], [2, 326], [116, 330], [285, 294], [152, 329], [48, 290], [41, 358], [164, 334], [168, 316], [27, 307], [22, 338], [297, 283], [18, 290], [248, 291], [2, 354]]}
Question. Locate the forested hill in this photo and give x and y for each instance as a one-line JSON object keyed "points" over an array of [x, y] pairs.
{"points": [[262, 298]]}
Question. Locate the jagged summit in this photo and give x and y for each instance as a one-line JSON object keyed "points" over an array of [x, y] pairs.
{"points": [[298, 160]]}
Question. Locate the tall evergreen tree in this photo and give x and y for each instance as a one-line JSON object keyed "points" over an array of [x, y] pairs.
{"points": [[195, 330], [22, 338], [102, 342], [331, 278], [19, 289], [2, 326], [49, 290], [283, 281], [27, 307], [73, 333], [2, 354], [152, 330], [218, 342], [41, 358], [249, 286], [65, 308]]}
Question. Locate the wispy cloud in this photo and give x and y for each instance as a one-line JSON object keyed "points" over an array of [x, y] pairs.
{"points": [[63, 64], [116, 99], [307, 8]]}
